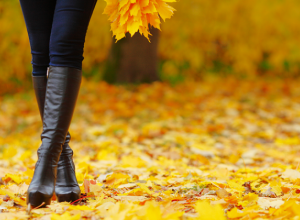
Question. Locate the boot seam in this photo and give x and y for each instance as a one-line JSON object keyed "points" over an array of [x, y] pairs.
{"points": [[71, 163], [53, 170], [38, 162]]}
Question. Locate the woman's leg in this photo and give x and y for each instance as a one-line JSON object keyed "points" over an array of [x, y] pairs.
{"points": [[62, 90], [71, 18], [38, 16], [70, 23]]}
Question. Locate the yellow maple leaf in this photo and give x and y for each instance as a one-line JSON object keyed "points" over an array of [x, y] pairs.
{"points": [[135, 9], [123, 3], [15, 177], [249, 200], [287, 206], [236, 186], [132, 26], [137, 15], [164, 10], [276, 187], [144, 3]]}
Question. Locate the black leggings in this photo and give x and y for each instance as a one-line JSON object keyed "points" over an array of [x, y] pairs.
{"points": [[56, 30]]}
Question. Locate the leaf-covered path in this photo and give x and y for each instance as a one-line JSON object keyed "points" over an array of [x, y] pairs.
{"points": [[210, 150]]}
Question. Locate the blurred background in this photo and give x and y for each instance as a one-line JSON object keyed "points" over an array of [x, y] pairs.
{"points": [[238, 38]]}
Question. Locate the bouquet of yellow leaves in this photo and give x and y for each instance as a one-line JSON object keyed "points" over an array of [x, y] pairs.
{"points": [[136, 15]]}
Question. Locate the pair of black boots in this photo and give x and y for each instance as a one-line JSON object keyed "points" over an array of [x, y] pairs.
{"points": [[55, 171]]}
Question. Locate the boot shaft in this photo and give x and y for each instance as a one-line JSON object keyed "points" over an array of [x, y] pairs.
{"points": [[61, 95], [40, 86]]}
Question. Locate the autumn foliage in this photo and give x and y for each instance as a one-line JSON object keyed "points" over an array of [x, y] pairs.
{"points": [[244, 38], [136, 15], [190, 152]]}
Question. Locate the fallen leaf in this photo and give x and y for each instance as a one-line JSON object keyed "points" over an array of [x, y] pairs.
{"points": [[266, 203]]}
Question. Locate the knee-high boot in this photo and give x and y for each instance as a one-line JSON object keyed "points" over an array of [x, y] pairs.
{"points": [[61, 94], [66, 187]]}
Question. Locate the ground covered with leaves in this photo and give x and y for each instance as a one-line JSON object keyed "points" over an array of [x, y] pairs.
{"points": [[215, 149]]}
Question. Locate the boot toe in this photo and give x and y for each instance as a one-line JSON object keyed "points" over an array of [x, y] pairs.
{"points": [[37, 198], [68, 196]]}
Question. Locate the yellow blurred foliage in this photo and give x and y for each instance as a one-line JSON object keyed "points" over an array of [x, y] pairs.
{"points": [[242, 37], [206, 161], [246, 36]]}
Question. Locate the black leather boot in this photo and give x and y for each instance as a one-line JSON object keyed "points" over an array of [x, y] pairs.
{"points": [[66, 188], [61, 94]]}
